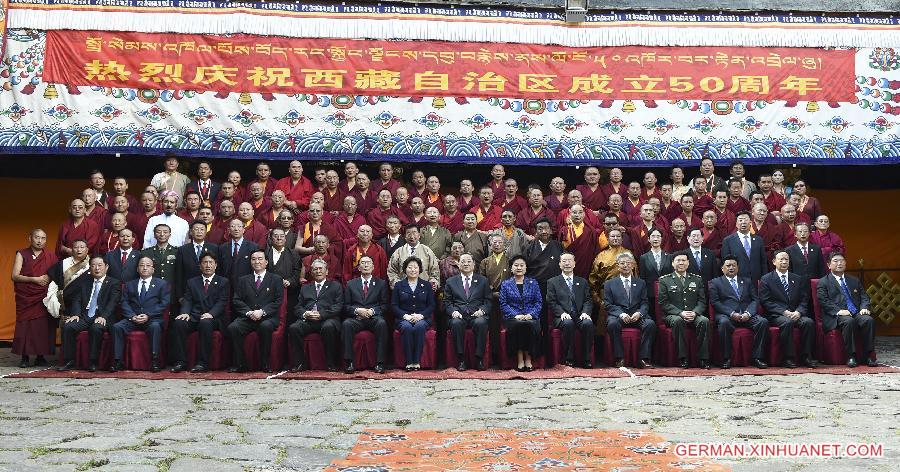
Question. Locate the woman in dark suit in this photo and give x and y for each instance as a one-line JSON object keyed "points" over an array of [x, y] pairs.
{"points": [[413, 305], [520, 304]]}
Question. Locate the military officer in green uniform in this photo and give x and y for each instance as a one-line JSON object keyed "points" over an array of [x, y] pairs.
{"points": [[163, 256], [683, 301]]}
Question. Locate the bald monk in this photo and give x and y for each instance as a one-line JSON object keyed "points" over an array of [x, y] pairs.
{"points": [[736, 200], [347, 223], [615, 185], [725, 219], [511, 200], [253, 230], [659, 220], [497, 182], [318, 199], [218, 233], [322, 249], [632, 204], [773, 200], [590, 218], [702, 200], [363, 245], [314, 226], [192, 204], [691, 220], [269, 218], [534, 211], [799, 217], [432, 196], [579, 239], [712, 237], [257, 200], [385, 179], [603, 268], [92, 210], [650, 189], [452, 218], [467, 199], [474, 242], [615, 203], [640, 233], [120, 189], [77, 227], [334, 198], [789, 218], [377, 217], [296, 188], [487, 213], [677, 240], [109, 241], [773, 235], [264, 179], [35, 333], [362, 192], [591, 192], [228, 192]]}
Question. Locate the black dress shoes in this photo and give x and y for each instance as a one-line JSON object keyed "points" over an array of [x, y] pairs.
{"points": [[24, 362], [704, 364], [644, 364], [40, 361], [154, 365], [852, 362], [569, 363], [92, 367], [759, 364], [237, 369], [350, 369], [462, 366], [179, 367], [480, 365], [683, 363], [266, 368], [726, 364], [116, 366], [620, 363], [199, 368], [379, 368], [331, 368], [809, 362], [790, 364], [587, 365], [67, 366], [300, 367], [872, 362]]}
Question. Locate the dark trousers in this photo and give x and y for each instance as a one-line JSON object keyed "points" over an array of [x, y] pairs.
{"points": [[568, 327], [758, 324], [522, 336], [153, 328], [701, 325], [614, 327], [479, 327], [376, 325], [786, 326], [329, 329], [863, 325], [183, 329], [70, 338], [241, 327], [412, 336]]}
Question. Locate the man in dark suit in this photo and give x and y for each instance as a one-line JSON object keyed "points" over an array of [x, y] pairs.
{"points": [[845, 306], [234, 254], [187, 258], [202, 310], [543, 253], [707, 173], [144, 302], [570, 302], [707, 267], [748, 249], [806, 257], [785, 299], [467, 299], [318, 311], [683, 301], [626, 304], [122, 261], [257, 300], [393, 240], [283, 261], [365, 300], [204, 185], [92, 308], [734, 302]]}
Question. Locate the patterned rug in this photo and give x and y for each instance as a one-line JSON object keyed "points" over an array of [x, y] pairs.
{"points": [[514, 450]]}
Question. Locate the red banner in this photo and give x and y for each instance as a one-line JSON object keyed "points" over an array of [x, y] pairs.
{"points": [[243, 63]]}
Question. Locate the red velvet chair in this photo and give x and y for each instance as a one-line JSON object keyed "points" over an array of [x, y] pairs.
{"points": [[137, 348], [631, 347], [218, 358], [741, 343], [83, 351], [556, 355], [829, 346], [468, 350], [666, 348], [279, 342], [507, 362], [429, 353], [365, 352]]}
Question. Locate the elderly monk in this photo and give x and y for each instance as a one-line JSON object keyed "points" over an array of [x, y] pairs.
{"points": [[364, 245], [474, 242], [257, 199], [556, 201], [691, 219], [579, 239], [615, 185], [110, 238], [77, 227], [514, 239], [829, 241], [712, 235], [218, 232], [322, 250], [92, 209], [773, 235], [677, 240], [35, 333], [615, 203], [377, 217], [574, 198], [535, 210], [313, 227], [347, 223], [269, 218], [253, 229], [148, 209], [334, 198], [605, 268], [487, 213], [297, 189], [452, 218]]}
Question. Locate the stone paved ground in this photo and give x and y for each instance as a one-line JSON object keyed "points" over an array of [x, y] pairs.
{"points": [[205, 426]]}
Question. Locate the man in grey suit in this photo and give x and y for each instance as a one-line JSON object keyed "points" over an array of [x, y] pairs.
{"points": [[625, 301], [365, 300], [748, 249], [735, 302], [785, 298], [467, 298], [845, 306], [318, 311], [569, 299]]}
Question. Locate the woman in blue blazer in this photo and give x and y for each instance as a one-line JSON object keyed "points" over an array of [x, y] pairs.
{"points": [[413, 304], [520, 305]]}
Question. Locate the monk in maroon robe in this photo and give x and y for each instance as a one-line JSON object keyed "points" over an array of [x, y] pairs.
{"points": [[557, 200], [615, 207], [533, 212], [590, 218], [452, 218], [218, 232], [702, 199], [511, 201], [807, 205], [377, 217], [240, 193], [467, 200], [488, 214], [591, 191], [35, 333], [227, 192], [773, 235], [432, 196], [362, 245], [650, 190], [615, 185], [264, 179], [324, 250], [348, 183], [109, 240], [633, 202], [192, 205], [668, 208], [712, 238], [726, 221], [691, 220], [77, 227], [829, 241], [297, 189], [579, 239], [348, 222], [92, 210], [313, 227], [258, 200], [773, 200], [640, 233], [385, 179], [736, 201], [677, 240], [418, 184], [253, 230], [269, 218], [498, 182], [149, 209], [365, 198]]}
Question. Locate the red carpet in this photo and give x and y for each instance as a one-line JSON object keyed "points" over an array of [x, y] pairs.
{"points": [[515, 450], [557, 372]]}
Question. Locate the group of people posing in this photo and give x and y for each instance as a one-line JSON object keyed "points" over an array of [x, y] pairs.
{"points": [[345, 255]]}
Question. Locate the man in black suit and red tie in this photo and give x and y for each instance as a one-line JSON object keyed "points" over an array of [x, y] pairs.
{"points": [[318, 311], [785, 299], [734, 302], [365, 300], [234, 254], [257, 300], [187, 258], [845, 306], [806, 257], [202, 310], [467, 299], [122, 261]]}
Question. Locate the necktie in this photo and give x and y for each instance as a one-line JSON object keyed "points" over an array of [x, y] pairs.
{"points": [[143, 289], [205, 285], [92, 306], [365, 288], [199, 250], [318, 288], [746, 244], [805, 253], [627, 284], [124, 257], [315, 306], [850, 305], [258, 281], [734, 286], [234, 251], [466, 286], [656, 257], [784, 282], [697, 258]]}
